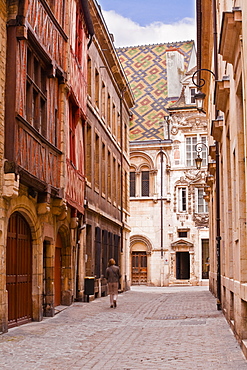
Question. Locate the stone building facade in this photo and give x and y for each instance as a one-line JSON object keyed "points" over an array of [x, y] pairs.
{"points": [[107, 158], [222, 36], [168, 215]]}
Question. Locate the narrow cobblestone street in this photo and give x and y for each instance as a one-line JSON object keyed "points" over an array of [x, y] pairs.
{"points": [[152, 328]]}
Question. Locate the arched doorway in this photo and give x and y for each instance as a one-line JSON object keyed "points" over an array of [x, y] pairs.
{"points": [[182, 260], [140, 248], [19, 271], [139, 268]]}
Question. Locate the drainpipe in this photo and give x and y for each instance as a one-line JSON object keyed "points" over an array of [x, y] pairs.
{"points": [[244, 108], [122, 179], [218, 237], [161, 204]]}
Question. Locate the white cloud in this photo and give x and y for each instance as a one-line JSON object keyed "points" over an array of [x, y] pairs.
{"points": [[128, 33]]}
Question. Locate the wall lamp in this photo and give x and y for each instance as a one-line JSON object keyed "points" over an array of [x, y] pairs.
{"points": [[200, 96], [199, 159]]}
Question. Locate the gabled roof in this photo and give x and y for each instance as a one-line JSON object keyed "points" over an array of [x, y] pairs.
{"points": [[146, 70]]}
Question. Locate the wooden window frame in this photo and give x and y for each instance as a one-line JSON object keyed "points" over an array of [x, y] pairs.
{"points": [[36, 93]]}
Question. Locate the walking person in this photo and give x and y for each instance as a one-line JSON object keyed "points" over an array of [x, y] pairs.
{"points": [[113, 275]]}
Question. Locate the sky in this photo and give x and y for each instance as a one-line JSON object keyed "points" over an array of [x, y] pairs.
{"points": [[140, 22]]}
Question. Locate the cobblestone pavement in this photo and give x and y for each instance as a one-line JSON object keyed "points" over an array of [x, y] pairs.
{"points": [[152, 328]]}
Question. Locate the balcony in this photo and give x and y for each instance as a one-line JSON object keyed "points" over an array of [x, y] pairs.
{"points": [[35, 159]]}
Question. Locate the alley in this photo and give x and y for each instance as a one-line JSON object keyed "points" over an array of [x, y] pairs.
{"points": [[152, 328]]}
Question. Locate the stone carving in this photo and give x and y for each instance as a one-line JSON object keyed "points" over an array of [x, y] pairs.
{"points": [[201, 219], [193, 175]]}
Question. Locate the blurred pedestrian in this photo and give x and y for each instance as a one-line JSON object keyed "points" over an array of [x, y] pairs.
{"points": [[113, 275]]}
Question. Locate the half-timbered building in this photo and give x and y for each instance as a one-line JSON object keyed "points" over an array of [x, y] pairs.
{"points": [[42, 202]]}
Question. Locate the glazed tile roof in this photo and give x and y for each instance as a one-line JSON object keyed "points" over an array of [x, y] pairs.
{"points": [[145, 67]]}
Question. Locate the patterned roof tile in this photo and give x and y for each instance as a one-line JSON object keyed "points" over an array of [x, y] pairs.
{"points": [[146, 70]]}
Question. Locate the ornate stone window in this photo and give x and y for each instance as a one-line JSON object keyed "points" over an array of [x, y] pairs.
{"points": [[191, 153], [142, 175], [201, 204], [182, 199]]}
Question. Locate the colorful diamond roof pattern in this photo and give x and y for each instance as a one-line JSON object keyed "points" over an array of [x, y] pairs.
{"points": [[145, 67]]}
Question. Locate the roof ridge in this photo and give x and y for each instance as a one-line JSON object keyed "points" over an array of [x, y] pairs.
{"points": [[160, 43]]}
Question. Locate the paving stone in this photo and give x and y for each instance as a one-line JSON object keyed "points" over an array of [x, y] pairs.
{"points": [[152, 328]]}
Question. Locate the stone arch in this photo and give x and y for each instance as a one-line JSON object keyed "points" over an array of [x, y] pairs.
{"points": [[166, 156], [133, 167], [141, 243], [67, 278], [24, 206], [146, 160]]}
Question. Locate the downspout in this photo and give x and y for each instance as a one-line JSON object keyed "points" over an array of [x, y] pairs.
{"points": [[218, 237], [122, 180], [161, 204], [244, 110]]}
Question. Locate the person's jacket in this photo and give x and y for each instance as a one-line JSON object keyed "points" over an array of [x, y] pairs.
{"points": [[113, 274]]}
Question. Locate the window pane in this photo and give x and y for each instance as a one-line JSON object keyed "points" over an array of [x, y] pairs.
{"points": [[202, 206], [132, 184], [191, 151], [182, 199], [192, 95], [145, 183]]}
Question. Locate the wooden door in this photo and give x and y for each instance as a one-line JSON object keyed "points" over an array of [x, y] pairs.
{"points": [[19, 271], [57, 281], [139, 268], [183, 265]]}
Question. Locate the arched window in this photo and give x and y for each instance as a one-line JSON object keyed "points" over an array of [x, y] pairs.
{"points": [[145, 183], [132, 184]]}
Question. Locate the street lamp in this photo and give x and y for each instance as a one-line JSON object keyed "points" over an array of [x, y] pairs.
{"points": [[200, 96], [199, 159]]}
